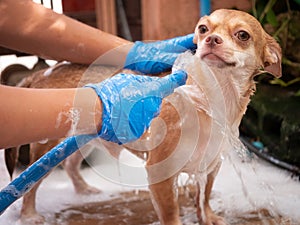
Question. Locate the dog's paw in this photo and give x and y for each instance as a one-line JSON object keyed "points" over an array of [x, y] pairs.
{"points": [[214, 220], [88, 190], [35, 219]]}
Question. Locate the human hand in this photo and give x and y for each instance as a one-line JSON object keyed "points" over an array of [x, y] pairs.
{"points": [[159, 56], [130, 102]]}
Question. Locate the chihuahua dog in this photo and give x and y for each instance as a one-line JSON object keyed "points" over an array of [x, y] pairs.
{"points": [[234, 48]]}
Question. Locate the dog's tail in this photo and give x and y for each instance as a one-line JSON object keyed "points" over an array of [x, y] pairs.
{"points": [[11, 158]]}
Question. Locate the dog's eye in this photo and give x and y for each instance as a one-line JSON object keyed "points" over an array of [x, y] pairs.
{"points": [[243, 35], [202, 29]]}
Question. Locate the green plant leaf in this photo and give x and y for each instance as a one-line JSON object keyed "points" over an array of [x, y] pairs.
{"points": [[271, 18], [283, 83], [279, 82], [267, 8], [297, 93], [297, 1]]}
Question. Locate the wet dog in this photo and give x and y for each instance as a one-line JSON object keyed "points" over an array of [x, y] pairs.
{"points": [[232, 48], [235, 48]]}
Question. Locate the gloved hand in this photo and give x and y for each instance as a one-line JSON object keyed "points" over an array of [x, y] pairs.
{"points": [[159, 56], [130, 102]]}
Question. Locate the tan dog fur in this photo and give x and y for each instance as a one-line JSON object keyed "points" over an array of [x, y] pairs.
{"points": [[235, 59]]}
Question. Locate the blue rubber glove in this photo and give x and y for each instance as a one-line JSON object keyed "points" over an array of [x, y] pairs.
{"points": [[159, 56], [130, 102]]}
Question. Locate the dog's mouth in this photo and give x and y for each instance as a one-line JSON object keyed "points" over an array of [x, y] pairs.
{"points": [[215, 59]]}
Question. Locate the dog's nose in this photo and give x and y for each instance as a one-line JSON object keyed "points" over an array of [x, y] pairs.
{"points": [[213, 40]]}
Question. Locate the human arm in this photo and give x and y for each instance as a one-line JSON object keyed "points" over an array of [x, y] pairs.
{"points": [[119, 109], [29, 115], [32, 28], [39, 31]]}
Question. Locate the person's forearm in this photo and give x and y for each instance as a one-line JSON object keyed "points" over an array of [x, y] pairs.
{"points": [[31, 28], [29, 115]]}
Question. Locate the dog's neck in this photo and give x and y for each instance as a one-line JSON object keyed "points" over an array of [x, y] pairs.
{"points": [[235, 92], [237, 87], [208, 86]]}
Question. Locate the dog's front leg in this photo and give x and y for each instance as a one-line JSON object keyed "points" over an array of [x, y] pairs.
{"points": [[162, 180], [164, 199], [207, 216]]}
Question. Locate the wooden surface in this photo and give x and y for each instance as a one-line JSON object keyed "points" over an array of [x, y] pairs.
{"points": [[244, 5], [106, 15], [136, 208], [162, 19]]}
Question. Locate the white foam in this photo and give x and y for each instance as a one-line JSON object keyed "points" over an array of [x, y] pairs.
{"points": [[266, 186]]}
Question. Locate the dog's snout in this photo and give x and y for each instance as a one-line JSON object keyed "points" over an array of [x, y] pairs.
{"points": [[213, 40]]}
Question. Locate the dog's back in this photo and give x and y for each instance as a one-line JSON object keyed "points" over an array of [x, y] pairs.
{"points": [[66, 75]]}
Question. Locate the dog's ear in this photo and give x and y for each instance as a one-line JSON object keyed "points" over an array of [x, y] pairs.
{"points": [[272, 57]]}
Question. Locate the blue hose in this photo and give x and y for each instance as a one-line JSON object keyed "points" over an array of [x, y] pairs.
{"points": [[26, 180], [204, 7]]}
